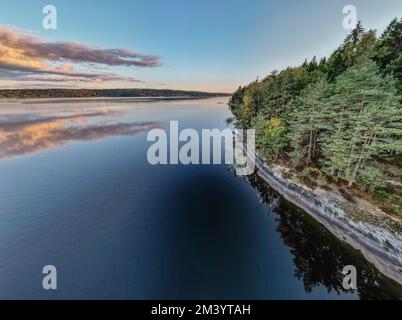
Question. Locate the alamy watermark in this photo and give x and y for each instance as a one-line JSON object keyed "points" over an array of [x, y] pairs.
{"points": [[350, 20], [49, 21], [350, 277], [49, 282], [239, 147]]}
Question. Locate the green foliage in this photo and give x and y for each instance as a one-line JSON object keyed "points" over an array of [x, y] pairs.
{"points": [[355, 47], [278, 90], [371, 178], [395, 68], [366, 121], [307, 120], [271, 136], [341, 115], [388, 48], [389, 200]]}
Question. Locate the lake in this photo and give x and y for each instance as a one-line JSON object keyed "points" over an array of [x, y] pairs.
{"points": [[77, 192]]}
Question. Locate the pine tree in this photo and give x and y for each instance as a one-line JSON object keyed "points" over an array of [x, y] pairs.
{"points": [[343, 114], [357, 33], [307, 120], [368, 124], [389, 47], [312, 64]]}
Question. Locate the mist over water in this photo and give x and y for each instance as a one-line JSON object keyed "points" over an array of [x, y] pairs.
{"points": [[77, 192]]}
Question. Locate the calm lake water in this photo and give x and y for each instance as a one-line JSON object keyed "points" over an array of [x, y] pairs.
{"points": [[77, 192]]}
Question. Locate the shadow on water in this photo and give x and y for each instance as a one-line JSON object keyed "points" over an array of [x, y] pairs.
{"points": [[118, 227], [318, 255]]}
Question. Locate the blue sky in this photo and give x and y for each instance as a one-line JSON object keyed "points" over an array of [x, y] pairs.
{"points": [[203, 44]]}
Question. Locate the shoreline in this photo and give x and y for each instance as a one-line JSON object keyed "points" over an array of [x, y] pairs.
{"points": [[133, 93], [379, 246], [97, 99]]}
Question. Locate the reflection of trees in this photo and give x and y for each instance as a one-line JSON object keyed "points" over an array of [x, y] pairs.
{"points": [[319, 256]]}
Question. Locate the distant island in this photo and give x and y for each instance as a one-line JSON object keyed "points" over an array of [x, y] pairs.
{"points": [[103, 93]]}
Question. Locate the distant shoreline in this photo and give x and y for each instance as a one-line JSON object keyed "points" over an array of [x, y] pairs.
{"points": [[105, 94], [96, 99]]}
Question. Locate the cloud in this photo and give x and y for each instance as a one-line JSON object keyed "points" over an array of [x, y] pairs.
{"points": [[29, 76], [14, 122], [25, 56]]}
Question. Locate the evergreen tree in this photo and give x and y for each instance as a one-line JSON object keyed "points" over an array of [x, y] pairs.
{"points": [[368, 123], [389, 47], [308, 118], [342, 114]]}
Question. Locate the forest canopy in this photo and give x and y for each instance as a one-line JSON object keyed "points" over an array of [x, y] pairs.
{"points": [[340, 116]]}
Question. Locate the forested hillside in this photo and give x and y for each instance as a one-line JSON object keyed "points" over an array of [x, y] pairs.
{"points": [[109, 93], [339, 118]]}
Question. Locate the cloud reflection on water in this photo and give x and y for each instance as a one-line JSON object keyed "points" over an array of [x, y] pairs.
{"points": [[22, 134]]}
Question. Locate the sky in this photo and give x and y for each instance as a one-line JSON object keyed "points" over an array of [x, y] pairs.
{"points": [[208, 45]]}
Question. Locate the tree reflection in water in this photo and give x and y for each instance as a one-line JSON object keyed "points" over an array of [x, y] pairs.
{"points": [[318, 256]]}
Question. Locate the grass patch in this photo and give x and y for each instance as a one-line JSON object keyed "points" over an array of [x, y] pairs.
{"points": [[389, 200]]}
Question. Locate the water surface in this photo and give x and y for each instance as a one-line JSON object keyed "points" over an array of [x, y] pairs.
{"points": [[77, 192]]}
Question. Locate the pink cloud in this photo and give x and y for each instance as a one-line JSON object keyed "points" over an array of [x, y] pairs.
{"points": [[26, 55]]}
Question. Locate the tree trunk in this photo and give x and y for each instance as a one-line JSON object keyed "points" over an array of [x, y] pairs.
{"points": [[314, 144], [357, 167], [310, 144]]}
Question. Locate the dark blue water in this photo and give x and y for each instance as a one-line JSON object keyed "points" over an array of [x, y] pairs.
{"points": [[77, 192]]}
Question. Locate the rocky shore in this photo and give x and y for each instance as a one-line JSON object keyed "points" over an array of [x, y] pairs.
{"points": [[379, 246]]}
